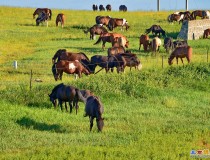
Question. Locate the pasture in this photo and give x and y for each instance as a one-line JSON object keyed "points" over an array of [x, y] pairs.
{"points": [[156, 113]]}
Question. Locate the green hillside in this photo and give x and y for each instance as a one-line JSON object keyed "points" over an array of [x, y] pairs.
{"points": [[160, 112]]}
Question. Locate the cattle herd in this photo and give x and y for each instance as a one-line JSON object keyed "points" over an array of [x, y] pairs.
{"points": [[117, 56]]}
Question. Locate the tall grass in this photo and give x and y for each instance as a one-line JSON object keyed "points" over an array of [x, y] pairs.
{"points": [[156, 113]]}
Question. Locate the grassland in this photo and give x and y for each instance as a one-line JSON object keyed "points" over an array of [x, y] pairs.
{"points": [[155, 113]]}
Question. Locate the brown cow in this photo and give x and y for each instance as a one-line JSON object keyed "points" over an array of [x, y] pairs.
{"points": [[144, 40]]}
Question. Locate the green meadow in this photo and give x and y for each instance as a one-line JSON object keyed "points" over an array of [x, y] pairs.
{"points": [[160, 112]]}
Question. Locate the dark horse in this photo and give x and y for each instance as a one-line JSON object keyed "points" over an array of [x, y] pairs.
{"points": [[60, 18], [70, 67], [105, 62], [122, 8], [104, 20], [181, 52], [95, 7], [42, 18], [101, 8], [108, 7], [115, 22], [45, 10], [68, 94], [168, 44], [200, 13], [62, 54], [96, 29], [156, 29], [93, 109]]}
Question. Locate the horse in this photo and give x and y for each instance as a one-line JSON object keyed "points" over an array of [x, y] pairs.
{"points": [[94, 109], [122, 8], [179, 43], [131, 60], [155, 29], [96, 29], [168, 44], [181, 52], [60, 18], [62, 54], [144, 40], [155, 44], [42, 18], [200, 13], [108, 7], [115, 22], [111, 37], [103, 20], [118, 40], [206, 33], [65, 94], [115, 50], [179, 16], [95, 7], [101, 8], [45, 10], [105, 62], [69, 67]]}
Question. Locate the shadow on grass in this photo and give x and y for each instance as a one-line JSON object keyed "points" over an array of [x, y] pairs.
{"points": [[31, 124]]}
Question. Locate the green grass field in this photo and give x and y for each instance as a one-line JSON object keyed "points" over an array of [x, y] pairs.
{"points": [[156, 113]]}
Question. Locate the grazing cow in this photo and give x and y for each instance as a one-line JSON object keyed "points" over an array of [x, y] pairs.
{"points": [[101, 8], [95, 7], [115, 22], [122, 8], [108, 7], [155, 44], [96, 29], [181, 52], [69, 67], [206, 33], [156, 29], [144, 40], [60, 18], [168, 44]]}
